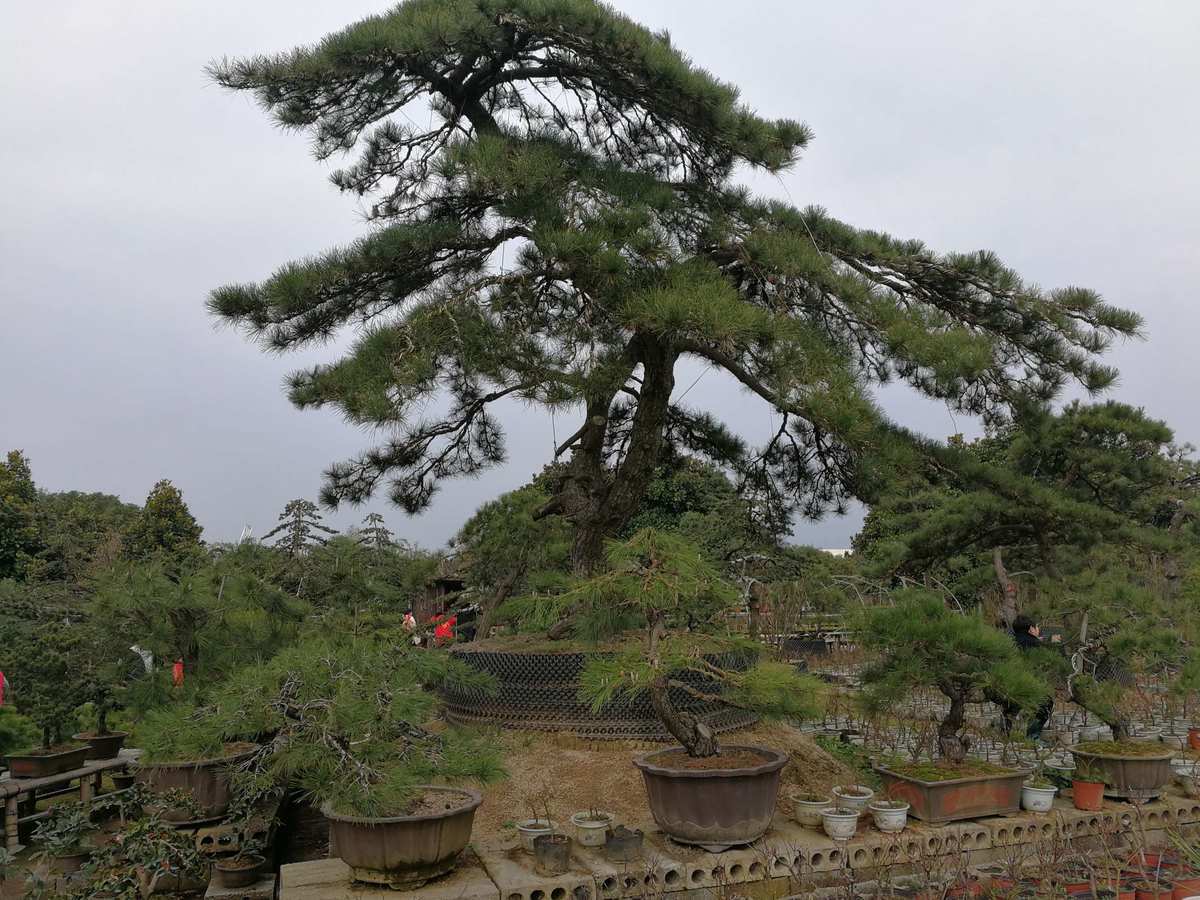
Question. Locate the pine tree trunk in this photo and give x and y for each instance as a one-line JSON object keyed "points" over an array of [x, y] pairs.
{"points": [[695, 737], [610, 506], [951, 746], [1008, 589], [497, 597]]}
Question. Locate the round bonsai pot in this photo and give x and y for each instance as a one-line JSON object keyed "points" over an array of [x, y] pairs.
{"points": [[808, 811], [207, 780], [404, 852], [890, 815], [532, 829], [713, 808], [591, 829], [840, 824], [1037, 799], [237, 873], [1133, 776], [104, 746], [853, 796], [123, 780]]}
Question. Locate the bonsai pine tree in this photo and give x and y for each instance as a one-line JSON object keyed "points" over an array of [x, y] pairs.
{"points": [[1040, 492], [920, 643], [663, 587], [165, 525], [347, 720], [564, 230], [298, 528]]}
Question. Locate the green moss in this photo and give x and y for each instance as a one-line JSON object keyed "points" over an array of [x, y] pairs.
{"points": [[1122, 748], [942, 770]]}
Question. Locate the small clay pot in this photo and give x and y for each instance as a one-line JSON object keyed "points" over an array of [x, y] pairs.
{"points": [[623, 845], [551, 854]]}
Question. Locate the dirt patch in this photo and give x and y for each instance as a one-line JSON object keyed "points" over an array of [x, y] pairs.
{"points": [[432, 802], [569, 775], [727, 759]]}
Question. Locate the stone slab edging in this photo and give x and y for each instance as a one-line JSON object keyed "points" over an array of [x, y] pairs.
{"points": [[505, 872]]}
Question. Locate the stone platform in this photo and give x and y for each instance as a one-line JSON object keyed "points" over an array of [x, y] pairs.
{"points": [[788, 859]]}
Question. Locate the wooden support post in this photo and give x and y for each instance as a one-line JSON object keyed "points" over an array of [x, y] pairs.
{"points": [[86, 789], [11, 824]]}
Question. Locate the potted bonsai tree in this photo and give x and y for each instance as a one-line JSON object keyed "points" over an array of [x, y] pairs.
{"points": [[347, 725], [918, 643], [50, 691], [660, 589]]}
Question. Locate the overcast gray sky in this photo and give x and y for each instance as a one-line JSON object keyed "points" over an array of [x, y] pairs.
{"points": [[1062, 134]]}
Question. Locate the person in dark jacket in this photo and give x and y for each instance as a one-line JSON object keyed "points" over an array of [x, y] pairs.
{"points": [[1027, 636]]}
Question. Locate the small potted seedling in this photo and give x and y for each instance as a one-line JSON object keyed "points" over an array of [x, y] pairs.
{"points": [[840, 823], [853, 796], [539, 823], [591, 826], [1037, 794], [242, 869], [890, 815], [1087, 788], [808, 807]]}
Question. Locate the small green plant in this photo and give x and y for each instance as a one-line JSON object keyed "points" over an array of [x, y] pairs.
{"points": [[7, 861], [65, 831], [17, 732], [1089, 773], [145, 856]]}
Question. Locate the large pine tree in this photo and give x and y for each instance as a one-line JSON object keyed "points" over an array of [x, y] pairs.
{"points": [[556, 221]]}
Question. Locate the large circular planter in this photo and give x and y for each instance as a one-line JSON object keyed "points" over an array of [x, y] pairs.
{"points": [[713, 808], [206, 780], [404, 852], [104, 746], [1132, 777]]}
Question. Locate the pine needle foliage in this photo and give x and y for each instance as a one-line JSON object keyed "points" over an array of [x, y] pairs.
{"points": [[566, 228], [347, 720], [672, 607], [920, 643], [300, 527]]}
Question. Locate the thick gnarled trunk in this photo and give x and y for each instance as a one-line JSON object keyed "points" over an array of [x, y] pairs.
{"points": [[952, 746], [602, 504]]}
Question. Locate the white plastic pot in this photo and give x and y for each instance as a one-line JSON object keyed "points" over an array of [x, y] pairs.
{"points": [[858, 798], [1037, 799], [808, 812], [533, 828], [589, 831], [890, 815], [840, 824]]}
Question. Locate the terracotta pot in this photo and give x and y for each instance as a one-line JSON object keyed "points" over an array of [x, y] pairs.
{"points": [[404, 852], [1187, 882], [1130, 777], [1161, 891], [1088, 795], [230, 873], [1193, 738], [207, 780], [938, 802], [45, 765], [104, 746], [713, 808]]}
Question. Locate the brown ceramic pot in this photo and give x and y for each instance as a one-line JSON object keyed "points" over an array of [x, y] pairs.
{"points": [[43, 765], [713, 808], [1130, 777], [404, 852], [104, 746], [207, 780]]}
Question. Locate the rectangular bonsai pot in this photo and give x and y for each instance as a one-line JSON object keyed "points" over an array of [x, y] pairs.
{"points": [[47, 764], [937, 802]]}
